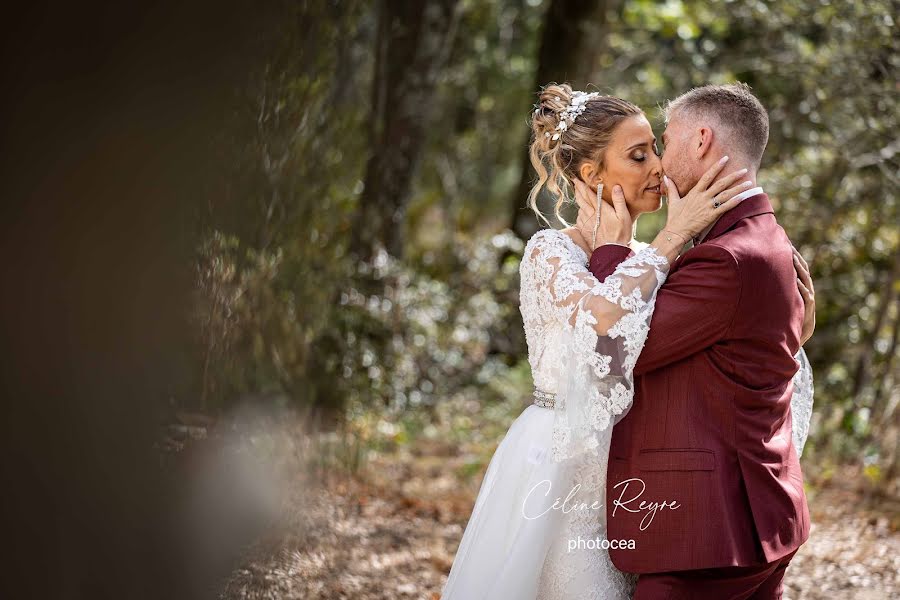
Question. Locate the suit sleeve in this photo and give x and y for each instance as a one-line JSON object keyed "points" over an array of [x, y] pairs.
{"points": [[694, 309], [605, 259]]}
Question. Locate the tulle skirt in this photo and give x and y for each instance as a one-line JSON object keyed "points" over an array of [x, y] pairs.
{"points": [[516, 545]]}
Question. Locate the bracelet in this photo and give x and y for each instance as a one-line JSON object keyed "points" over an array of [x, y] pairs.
{"points": [[669, 239]]}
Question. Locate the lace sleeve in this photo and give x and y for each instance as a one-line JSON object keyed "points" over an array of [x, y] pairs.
{"points": [[605, 325], [801, 402]]}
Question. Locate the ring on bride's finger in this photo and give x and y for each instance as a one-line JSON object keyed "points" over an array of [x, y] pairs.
{"points": [[716, 204]]}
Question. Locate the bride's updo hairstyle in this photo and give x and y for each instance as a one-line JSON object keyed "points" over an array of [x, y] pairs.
{"points": [[557, 152]]}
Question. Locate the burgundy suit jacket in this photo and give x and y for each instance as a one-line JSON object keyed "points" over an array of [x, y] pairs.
{"points": [[710, 427]]}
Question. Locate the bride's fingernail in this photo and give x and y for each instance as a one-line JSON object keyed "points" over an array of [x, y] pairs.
{"points": [[723, 160]]}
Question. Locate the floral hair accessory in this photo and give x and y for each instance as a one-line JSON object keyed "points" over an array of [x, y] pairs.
{"points": [[575, 108]]}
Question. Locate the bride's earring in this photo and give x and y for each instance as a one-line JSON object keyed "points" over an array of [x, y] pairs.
{"points": [[597, 224]]}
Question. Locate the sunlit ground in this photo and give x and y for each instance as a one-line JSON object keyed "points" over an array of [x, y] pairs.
{"points": [[378, 513]]}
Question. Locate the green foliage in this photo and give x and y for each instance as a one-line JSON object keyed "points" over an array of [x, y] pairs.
{"points": [[827, 73]]}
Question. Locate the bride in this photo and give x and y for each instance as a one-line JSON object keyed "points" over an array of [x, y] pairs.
{"points": [[544, 487]]}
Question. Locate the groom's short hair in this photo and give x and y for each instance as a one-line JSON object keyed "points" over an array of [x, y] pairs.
{"points": [[736, 110]]}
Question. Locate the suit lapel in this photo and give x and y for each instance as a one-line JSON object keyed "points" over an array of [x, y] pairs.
{"points": [[750, 207]]}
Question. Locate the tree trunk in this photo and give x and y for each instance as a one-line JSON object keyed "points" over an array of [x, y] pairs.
{"points": [[569, 44], [863, 364], [882, 391], [412, 45]]}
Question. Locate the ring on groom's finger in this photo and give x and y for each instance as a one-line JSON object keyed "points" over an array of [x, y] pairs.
{"points": [[716, 204]]}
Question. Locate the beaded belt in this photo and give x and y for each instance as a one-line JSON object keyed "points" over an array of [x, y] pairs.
{"points": [[544, 399]]}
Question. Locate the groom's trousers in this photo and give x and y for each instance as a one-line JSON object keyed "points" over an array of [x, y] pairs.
{"points": [[762, 582]]}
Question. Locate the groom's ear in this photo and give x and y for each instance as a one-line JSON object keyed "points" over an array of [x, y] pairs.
{"points": [[704, 141]]}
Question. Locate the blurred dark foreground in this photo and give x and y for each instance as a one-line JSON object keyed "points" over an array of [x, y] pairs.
{"points": [[107, 110]]}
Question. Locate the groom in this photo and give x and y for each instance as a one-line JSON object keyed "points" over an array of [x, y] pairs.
{"points": [[710, 426]]}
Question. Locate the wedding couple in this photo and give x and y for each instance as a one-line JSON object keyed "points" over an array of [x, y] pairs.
{"points": [[672, 395]]}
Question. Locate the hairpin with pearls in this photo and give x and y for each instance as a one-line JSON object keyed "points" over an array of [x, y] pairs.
{"points": [[577, 106]]}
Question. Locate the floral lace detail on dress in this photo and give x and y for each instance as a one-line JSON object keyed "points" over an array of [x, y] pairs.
{"points": [[586, 571], [801, 402], [597, 330]]}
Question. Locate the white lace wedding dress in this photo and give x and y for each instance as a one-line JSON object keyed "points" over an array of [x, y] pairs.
{"points": [[584, 338]]}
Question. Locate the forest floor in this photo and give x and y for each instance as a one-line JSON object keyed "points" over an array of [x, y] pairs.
{"points": [[391, 531]]}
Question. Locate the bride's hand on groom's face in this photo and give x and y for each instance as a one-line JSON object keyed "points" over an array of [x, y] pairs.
{"points": [[706, 201], [615, 223]]}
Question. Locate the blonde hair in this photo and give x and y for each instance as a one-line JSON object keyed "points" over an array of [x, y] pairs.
{"points": [[585, 139], [736, 110]]}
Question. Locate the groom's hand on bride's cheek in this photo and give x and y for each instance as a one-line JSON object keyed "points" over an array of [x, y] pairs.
{"points": [[619, 203], [586, 211], [586, 198]]}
